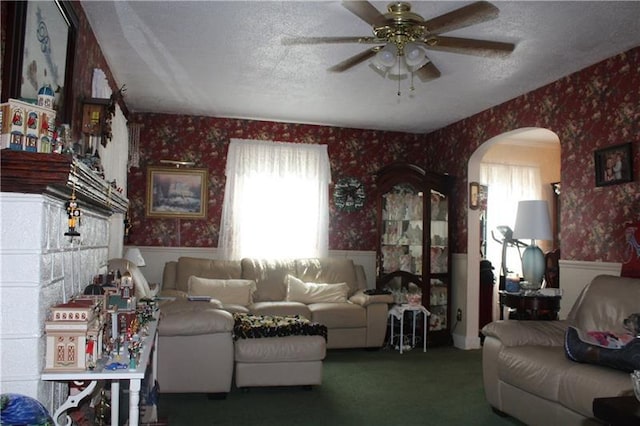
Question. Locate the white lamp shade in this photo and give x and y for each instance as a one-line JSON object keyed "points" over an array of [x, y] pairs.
{"points": [[134, 256], [387, 56], [532, 220], [414, 55]]}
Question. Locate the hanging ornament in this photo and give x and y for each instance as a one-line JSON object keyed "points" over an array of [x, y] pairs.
{"points": [[73, 213], [127, 225]]}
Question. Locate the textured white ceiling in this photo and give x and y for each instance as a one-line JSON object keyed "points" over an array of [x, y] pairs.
{"points": [[226, 59]]}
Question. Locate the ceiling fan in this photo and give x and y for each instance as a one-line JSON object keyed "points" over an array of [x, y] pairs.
{"points": [[401, 33]]}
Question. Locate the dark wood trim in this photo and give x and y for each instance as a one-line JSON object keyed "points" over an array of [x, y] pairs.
{"points": [[12, 65], [54, 174], [14, 46]]}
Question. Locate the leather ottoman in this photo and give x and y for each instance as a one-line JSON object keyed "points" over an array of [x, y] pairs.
{"points": [[279, 361]]}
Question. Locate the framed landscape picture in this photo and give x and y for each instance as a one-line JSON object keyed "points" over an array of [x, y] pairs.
{"points": [[613, 165], [177, 193]]}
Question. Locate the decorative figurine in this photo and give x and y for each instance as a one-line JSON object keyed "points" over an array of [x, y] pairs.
{"points": [[46, 97], [73, 213]]}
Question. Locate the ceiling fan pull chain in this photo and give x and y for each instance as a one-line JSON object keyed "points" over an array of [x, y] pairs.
{"points": [[398, 61]]}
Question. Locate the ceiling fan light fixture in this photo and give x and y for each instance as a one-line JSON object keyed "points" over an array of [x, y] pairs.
{"points": [[387, 56], [414, 55]]}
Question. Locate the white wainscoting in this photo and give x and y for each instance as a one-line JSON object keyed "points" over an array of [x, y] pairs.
{"points": [[156, 257], [574, 275]]}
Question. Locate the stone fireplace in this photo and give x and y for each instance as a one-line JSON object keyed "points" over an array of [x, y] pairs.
{"points": [[41, 267]]}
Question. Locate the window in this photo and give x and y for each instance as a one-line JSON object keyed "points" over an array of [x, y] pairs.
{"points": [[276, 200]]}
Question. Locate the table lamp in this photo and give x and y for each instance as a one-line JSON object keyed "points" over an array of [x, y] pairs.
{"points": [[134, 256], [532, 221]]}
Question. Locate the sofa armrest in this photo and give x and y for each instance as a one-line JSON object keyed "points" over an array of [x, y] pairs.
{"points": [[184, 318], [169, 275], [525, 333], [173, 293], [362, 299]]}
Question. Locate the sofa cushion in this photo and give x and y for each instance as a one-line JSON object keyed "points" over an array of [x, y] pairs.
{"points": [[228, 292], [269, 277], [205, 268], [339, 315], [606, 302], [328, 270], [281, 308], [299, 291]]}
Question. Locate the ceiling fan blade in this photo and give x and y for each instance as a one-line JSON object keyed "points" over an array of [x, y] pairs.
{"points": [[474, 13], [288, 41], [467, 46], [355, 60], [428, 72], [365, 11]]}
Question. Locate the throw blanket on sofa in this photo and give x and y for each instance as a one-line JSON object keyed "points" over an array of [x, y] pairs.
{"points": [[247, 326]]}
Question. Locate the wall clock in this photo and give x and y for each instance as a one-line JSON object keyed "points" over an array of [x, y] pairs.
{"points": [[348, 194]]}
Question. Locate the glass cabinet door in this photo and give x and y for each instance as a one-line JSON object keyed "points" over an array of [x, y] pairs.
{"points": [[438, 259], [402, 230], [414, 209]]}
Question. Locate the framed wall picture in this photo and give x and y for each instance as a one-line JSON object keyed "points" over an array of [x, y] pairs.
{"points": [[474, 195], [40, 48], [177, 193], [613, 165]]}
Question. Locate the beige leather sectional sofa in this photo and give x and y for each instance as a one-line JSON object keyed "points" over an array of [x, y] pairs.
{"points": [[196, 348], [527, 374]]}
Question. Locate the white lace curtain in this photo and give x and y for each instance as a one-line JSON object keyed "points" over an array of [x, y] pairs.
{"points": [[276, 202]]}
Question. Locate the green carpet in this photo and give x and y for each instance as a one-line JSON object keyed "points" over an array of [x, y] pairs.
{"points": [[440, 387]]}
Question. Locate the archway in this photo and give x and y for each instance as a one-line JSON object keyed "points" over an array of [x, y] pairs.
{"points": [[530, 136]]}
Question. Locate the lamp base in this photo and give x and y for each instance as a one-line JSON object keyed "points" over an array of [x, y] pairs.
{"points": [[533, 266]]}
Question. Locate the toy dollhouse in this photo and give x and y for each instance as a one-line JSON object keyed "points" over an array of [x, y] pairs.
{"points": [[74, 334]]}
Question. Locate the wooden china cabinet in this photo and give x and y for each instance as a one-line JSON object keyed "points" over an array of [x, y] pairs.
{"points": [[414, 219]]}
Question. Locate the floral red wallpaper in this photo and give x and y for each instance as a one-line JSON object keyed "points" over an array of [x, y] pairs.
{"points": [[204, 140], [591, 109], [594, 108]]}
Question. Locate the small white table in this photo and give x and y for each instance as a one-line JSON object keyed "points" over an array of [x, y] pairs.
{"points": [[397, 312], [134, 377]]}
